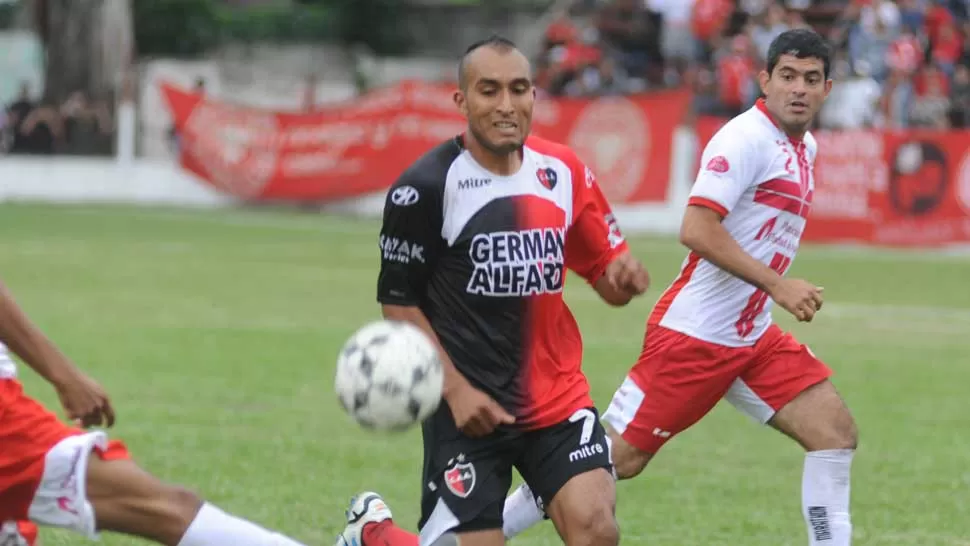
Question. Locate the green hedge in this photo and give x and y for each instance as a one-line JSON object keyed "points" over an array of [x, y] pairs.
{"points": [[189, 28]]}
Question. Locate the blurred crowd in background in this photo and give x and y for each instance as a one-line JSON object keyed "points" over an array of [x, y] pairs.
{"points": [[898, 64], [79, 126]]}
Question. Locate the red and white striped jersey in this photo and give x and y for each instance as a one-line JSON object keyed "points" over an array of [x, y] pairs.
{"points": [[761, 181]]}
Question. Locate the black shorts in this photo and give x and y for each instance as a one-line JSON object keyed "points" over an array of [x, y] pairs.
{"points": [[466, 480]]}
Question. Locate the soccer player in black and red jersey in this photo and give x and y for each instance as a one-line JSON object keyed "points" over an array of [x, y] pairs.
{"points": [[476, 241]]}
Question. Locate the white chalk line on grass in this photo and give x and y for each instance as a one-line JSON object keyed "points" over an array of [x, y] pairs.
{"points": [[350, 225], [930, 321], [271, 219], [898, 312], [848, 310]]}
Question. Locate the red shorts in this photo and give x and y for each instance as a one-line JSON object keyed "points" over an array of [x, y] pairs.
{"points": [[679, 379], [43, 463]]}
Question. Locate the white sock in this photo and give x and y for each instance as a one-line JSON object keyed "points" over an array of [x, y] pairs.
{"points": [[521, 512], [213, 527], [825, 497]]}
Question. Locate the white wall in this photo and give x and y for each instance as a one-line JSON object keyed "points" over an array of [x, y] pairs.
{"points": [[84, 180], [148, 182]]}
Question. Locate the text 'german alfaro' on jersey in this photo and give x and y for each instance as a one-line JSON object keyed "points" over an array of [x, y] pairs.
{"points": [[485, 258]]}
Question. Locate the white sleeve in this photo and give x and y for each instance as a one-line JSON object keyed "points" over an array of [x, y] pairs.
{"points": [[728, 168]]}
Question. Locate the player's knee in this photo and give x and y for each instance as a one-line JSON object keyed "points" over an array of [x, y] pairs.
{"points": [[164, 516], [182, 504], [847, 432], [129, 500], [167, 506], [628, 461], [595, 527], [840, 432], [631, 465]]}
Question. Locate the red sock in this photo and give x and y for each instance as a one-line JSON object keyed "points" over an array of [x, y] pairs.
{"points": [[385, 533], [28, 531]]}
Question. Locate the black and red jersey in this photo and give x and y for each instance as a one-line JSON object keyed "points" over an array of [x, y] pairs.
{"points": [[485, 258]]}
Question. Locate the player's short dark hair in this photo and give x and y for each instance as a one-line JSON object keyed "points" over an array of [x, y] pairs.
{"points": [[800, 43], [495, 41]]}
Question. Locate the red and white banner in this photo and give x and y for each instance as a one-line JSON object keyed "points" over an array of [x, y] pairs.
{"points": [[886, 188], [361, 146]]}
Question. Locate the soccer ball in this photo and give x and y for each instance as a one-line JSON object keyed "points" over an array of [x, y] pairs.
{"points": [[389, 376]]}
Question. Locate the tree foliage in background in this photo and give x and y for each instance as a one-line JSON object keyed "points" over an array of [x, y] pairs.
{"points": [[373, 23], [8, 14], [175, 28], [190, 28]]}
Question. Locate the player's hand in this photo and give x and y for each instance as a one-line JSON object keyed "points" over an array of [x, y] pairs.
{"points": [[476, 413], [85, 402], [626, 274], [800, 298]]}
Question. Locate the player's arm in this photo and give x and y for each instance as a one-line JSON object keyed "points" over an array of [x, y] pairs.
{"points": [[702, 232], [410, 242], [26, 341], [596, 249], [728, 168], [454, 381], [83, 399], [609, 289]]}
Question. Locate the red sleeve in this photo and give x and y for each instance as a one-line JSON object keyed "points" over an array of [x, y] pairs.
{"points": [[594, 238]]}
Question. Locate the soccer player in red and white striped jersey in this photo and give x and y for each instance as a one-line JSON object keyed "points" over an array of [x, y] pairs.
{"points": [[711, 334]]}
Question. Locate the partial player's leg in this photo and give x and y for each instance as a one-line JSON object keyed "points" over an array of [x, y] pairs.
{"points": [[465, 483], [58, 476], [127, 499], [676, 381], [370, 522], [788, 388], [18, 533], [568, 466]]}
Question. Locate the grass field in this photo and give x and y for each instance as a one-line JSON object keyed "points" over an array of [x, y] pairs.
{"points": [[216, 334]]}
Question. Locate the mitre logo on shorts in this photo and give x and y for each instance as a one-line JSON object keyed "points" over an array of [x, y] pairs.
{"points": [[401, 251], [237, 148], [586, 451], [612, 135], [460, 477], [518, 263]]}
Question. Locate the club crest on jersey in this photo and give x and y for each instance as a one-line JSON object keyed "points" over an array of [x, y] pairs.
{"points": [[460, 477], [590, 178], [547, 177], [718, 164], [517, 263]]}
